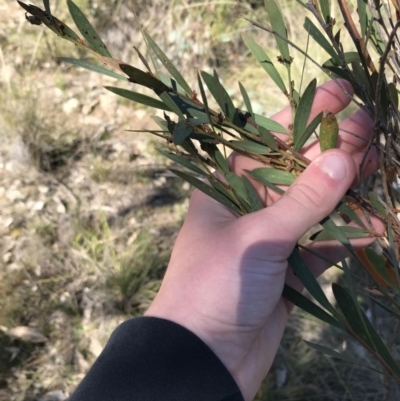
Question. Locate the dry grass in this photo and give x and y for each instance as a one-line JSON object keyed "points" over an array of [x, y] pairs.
{"points": [[88, 214]]}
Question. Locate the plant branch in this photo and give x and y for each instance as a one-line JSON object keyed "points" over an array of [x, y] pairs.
{"points": [[264, 28]]}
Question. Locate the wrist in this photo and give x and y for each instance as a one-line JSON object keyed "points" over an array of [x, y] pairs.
{"points": [[225, 344]]}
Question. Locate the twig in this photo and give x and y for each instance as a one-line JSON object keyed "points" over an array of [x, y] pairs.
{"points": [[357, 39], [264, 28], [381, 75]]}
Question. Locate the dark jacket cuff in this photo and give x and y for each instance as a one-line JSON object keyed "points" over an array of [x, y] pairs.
{"points": [[149, 359]]}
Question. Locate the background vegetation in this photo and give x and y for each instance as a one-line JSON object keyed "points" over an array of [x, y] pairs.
{"points": [[89, 212]]}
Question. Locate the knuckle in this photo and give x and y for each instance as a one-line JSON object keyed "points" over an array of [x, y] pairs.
{"points": [[307, 197]]}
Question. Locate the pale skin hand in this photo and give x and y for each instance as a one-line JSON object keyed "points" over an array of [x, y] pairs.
{"points": [[226, 274]]}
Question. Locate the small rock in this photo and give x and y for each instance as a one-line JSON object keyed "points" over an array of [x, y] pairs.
{"points": [[7, 257], [14, 194], [61, 208], [27, 334], [70, 105], [43, 189], [8, 222], [37, 206]]}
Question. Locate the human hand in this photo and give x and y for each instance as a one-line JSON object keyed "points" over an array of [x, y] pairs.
{"points": [[226, 274]]}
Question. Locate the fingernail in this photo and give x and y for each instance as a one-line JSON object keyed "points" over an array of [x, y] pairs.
{"points": [[333, 165]]}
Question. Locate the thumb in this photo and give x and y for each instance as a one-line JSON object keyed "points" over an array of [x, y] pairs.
{"points": [[314, 194]]}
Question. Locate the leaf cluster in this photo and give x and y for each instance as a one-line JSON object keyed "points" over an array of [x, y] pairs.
{"points": [[199, 138]]}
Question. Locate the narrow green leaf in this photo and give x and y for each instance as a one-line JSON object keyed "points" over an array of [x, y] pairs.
{"points": [[93, 67], [384, 101], [207, 189], [138, 98], [380, 346], [337, 37], [342, 356], [221, 96], [274, 176], [167, 63], [338, 72], [384, 307], [226, 192], [189, 147], [359, 72], [304, 274], [188, 107], [306, 134], [87, 30], [349, 212], [328, 132], [351, 313], [170, 82], [183, 161], [269, 124], [251, 128], [182, 131], [308, 306], [362, 326], [140, 77], [265, 62], [350, 283], [392, 252], [267, 138], [161, 123], [325, 9], [278, 25], [252, 195], [394, 94], [209, 81], [166, 98], [204, 99], [54, 24], [362, 14], [303, 111], [237, 185], [349, 232], [246, 99], [252, 147], [265, 182], [348, 56], [336, 232], [374, 199], [142, 59], [216, 155], [318, 36], [199, 120], [378, 263], [224, 100], [46, 4]]}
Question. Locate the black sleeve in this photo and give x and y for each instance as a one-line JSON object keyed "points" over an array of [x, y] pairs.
{"points": [[150, 359]]}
